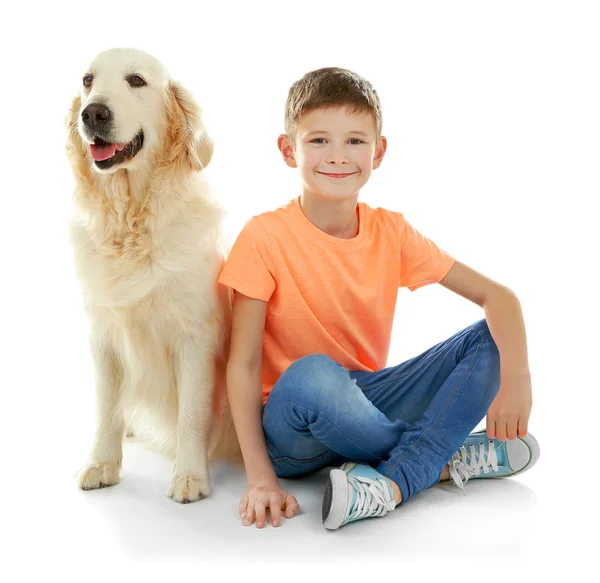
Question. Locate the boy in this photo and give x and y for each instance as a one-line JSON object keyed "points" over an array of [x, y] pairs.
{"points": [[315, 286]]}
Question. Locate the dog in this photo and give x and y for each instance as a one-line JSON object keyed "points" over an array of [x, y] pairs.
{"points": [[147, 248]]}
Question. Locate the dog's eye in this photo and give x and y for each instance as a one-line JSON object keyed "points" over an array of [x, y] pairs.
{"points": [[88, 80], [136, 81]]}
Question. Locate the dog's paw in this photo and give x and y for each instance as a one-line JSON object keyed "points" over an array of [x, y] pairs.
{"points": [[100, 475], [186, 488]]}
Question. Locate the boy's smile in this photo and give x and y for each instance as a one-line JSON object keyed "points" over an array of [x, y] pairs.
{"points": [[337, 175]]}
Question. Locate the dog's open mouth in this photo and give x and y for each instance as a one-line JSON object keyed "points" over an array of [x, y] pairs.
{"points": [[107, 154]]}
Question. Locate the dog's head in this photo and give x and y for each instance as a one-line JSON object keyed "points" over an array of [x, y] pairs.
{"points": [[129, 112]]}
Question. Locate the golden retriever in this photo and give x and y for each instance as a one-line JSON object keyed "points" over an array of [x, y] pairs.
{"points": [[147, 249]]}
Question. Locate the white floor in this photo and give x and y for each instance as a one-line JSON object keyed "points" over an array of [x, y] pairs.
{"points": [[133, 528]]}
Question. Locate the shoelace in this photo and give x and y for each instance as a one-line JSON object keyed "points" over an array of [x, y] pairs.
{"points": [[465, 465], [373, 497]]}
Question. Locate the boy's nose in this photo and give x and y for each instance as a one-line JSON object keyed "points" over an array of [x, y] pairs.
{"points": [[337, 157]]}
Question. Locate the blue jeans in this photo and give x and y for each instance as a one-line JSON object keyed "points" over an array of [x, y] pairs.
{"points": [[406, 421]]}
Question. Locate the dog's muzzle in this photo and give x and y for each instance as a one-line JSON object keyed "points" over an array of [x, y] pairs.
{"points": [[97, 119]]}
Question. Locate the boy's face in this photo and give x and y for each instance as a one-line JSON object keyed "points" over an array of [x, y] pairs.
{"points": [[335, 151]]}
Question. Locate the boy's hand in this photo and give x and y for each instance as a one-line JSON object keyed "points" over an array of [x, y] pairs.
{"points": [[257, 499], [508, 415]]}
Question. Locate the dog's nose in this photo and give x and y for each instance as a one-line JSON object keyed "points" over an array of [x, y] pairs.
{"points": [[94, 114]]}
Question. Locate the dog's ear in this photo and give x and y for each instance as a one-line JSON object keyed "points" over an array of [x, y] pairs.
{"points": [[74, 143], [186, 134], [76, 150]]}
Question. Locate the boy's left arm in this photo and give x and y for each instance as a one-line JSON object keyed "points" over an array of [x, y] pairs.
{"points": [[508, 415]]}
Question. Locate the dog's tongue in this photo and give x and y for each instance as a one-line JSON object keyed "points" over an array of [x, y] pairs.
{"points": [[103, 152]]}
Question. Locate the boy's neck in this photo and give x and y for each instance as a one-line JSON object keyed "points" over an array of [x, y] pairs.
{"points": [[338, 218]]}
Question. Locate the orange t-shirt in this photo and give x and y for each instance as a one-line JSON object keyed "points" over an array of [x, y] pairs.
{"points": [[327, 295]]}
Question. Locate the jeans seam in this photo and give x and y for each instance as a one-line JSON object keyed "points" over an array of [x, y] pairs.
{"points": [[299, 461], [446, 405], [399, 376], [382, 383]]}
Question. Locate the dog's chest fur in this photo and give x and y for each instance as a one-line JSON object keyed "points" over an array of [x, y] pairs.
{"points": [[128, 250]]}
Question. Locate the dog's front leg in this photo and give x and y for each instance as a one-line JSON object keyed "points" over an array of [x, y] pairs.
{"points": [[105, 458], [194, 369]]}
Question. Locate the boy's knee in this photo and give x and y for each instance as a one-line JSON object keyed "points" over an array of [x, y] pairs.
{"points": [[483, 329], [490, 358], [480, 334], [312, 365], [479, 338], [314, 373]]}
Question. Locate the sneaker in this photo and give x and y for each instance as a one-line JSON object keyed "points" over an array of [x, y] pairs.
{"points": [[353, 492], [482, 457]]}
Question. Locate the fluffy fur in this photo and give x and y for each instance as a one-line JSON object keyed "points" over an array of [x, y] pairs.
{"points": [[146, 240]]}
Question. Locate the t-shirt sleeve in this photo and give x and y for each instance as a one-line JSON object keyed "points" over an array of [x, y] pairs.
{"points": [[249, 268], [422, 262]]}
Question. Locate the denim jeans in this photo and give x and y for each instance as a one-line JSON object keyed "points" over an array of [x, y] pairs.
{"points": [[406, 421]]}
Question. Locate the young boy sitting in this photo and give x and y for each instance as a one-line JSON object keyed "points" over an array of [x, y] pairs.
{"points": [[316, 283]]}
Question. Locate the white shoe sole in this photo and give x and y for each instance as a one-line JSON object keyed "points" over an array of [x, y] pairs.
{"points": [[534, 448], [335, 500]]}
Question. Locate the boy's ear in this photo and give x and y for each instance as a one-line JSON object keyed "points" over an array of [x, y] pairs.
{"points": [[286, 147], [379, 152]]}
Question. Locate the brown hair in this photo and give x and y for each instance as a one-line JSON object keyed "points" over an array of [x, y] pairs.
{"points": [[330, 87]]}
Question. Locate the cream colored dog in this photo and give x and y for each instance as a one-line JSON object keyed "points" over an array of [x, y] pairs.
{"points": [[146, 240]]}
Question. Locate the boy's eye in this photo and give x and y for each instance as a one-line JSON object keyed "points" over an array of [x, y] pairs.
{"points": [[355, 141]]}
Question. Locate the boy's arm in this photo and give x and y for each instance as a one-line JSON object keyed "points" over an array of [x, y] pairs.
{"points": [[508, 415], [244, 385]]}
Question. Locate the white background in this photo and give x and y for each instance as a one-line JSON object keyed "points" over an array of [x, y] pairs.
{"points": [[491, 110]]}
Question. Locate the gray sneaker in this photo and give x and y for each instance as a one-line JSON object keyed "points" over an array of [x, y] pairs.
{"points": [[353, 492]]}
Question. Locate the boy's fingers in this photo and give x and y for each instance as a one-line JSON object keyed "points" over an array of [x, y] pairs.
{"points": [[243, 505], [522, 428], [291, 506], [511, 429], [275, 507], [249, 513], [501, 430], [261, 511], [491, 429]]}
